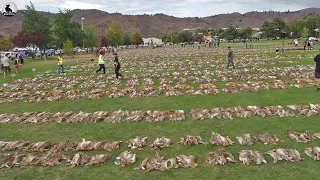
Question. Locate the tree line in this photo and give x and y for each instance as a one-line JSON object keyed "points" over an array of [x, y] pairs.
{"points": [[294, 29], [277, 28], [62, 33], [197, 36]]}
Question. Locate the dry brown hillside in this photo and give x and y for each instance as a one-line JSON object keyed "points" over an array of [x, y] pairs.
{"points": [[155, 25]]}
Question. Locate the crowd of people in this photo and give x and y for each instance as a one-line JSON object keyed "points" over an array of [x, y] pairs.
{"points": [[307, 44], [19, 61]]}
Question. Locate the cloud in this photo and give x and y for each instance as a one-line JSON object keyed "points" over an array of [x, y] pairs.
{"points": [[179, 8]]}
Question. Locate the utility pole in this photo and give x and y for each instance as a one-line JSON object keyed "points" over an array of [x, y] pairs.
{"points": [[82, 31]]}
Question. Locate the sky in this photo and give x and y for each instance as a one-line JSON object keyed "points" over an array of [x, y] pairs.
{"points": [[178, 8]]}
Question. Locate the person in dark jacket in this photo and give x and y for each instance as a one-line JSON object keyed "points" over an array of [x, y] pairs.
{"points": [[230, 58], [117, 66], [317, 71], [309, 45]]}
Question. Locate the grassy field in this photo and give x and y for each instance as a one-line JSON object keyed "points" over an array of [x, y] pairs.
{"points": [[131, 61]]}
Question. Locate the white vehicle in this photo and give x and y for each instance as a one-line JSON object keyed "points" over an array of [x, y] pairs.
{"points": [[12, 55], [312, 39], [57, 52]]}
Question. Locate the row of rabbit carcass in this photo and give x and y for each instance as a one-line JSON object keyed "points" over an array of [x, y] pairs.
{"points": [[158, 144], [147, 91], [70, 82], [158, 116], [246, 74], [251, 86], [94, 81], [249, 111], [100, 116], [127, 158]]}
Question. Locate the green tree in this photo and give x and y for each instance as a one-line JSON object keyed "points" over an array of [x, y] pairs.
{"points": [[63, 29], [5, 43], [113, 35], [127, 40], [34, 22], [246, 33], [137, 39], [280, 25], [296, 28], [185, 36], [230, 34], [170, 37], [91, 37], [276, 28], [313, 23], [68, 47], [269, 29]]}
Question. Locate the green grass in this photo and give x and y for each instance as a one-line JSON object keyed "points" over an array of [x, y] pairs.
{"points": [[236, 127], [54, 132], [262, 98]]}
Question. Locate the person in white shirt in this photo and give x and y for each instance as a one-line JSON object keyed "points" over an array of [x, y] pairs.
{"points": [[5, 62], [296, 42]]}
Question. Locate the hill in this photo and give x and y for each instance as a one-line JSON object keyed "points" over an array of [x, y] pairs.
{"points": [[155, 25]]}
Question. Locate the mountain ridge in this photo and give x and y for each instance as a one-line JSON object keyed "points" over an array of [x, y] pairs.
{"points": [[158, 24]]}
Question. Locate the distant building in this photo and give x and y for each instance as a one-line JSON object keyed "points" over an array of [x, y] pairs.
{"points": [[152, 41], [191, 29], [257, 35]]}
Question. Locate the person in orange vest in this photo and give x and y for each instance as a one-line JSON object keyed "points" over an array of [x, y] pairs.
{"points": [[60, 63]]}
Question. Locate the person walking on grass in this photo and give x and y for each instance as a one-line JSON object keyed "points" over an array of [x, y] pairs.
{"points": [[21, 59], [101, 62], [230, 58], [17, 64], [317, 70], [60, 63], [6, 65], [304, 45], [117, 66]]}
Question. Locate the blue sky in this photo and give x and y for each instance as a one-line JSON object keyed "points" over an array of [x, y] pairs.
{"points": [[178, 8]]}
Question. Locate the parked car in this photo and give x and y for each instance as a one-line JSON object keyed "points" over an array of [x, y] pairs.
{"points": [[313, 39], [12, 55]]}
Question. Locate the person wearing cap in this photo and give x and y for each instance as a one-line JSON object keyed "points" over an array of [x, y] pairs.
{"points": [[60, 63], [117, 66], [101, 62], [230, 58]]}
